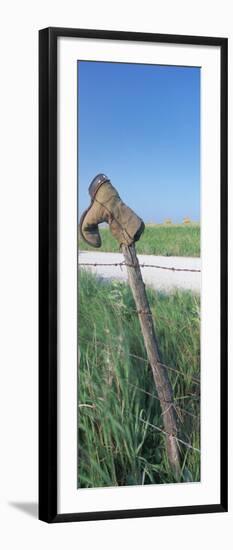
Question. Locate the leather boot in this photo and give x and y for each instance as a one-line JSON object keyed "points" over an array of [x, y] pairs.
{"points": [[107, 206]]}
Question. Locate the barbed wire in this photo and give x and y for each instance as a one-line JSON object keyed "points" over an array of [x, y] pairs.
{"points": [[174, 404], [124, 264], [135, 356], [155, 427], [177, 408], [170, 435], [193, 378], [181, 409]]}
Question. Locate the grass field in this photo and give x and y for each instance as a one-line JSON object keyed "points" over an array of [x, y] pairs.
{"points": [[161, 240], [117, 396]]}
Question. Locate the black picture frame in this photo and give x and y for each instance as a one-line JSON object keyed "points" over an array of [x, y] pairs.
{"points": [[48, 274]]}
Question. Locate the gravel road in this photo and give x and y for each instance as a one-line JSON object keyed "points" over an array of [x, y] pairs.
{"points": [[159, 279]]}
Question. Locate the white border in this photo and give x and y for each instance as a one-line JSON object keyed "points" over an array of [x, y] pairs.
{"points": [[70, 499]]}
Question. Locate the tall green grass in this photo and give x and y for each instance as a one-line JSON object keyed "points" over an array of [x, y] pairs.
{"points": [[116, 391], [163, 240]]}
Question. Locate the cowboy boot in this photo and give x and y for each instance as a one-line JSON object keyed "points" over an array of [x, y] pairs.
{"points": [[107, 206]]}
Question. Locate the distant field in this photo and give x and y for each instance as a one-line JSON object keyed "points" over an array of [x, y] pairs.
{"points": [[160, 240]]}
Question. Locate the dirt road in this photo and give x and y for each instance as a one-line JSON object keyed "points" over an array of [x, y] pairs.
{"points": [[159, 279]]}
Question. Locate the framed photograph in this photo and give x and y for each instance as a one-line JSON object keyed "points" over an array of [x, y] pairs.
{"points": [[133, 274]]}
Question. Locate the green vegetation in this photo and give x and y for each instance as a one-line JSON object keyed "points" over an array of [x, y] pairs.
{"points": [[117, 396], [161, 240]]}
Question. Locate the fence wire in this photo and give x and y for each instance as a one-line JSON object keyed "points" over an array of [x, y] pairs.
{"points": [[120, 350], [181, 409], [170, 435], [155, 427], [124, 264], [177, 407]]}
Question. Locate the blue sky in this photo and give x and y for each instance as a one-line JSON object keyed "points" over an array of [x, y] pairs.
{"points": [[140, 125]]}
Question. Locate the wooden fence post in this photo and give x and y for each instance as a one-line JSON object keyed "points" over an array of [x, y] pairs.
{"points": [[160, 375]]}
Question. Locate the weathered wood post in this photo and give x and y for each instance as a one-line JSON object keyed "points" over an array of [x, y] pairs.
{"points": [[161, 379]]}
